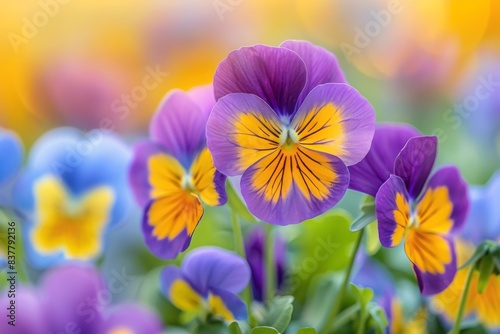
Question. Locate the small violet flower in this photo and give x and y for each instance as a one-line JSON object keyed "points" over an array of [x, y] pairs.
{"points": [[73, 191], [172, 173], [208, 280], [424, 212], [255, 253], [289, 124]]}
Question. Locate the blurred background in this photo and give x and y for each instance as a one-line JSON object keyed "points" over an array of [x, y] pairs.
{"points": [[74, 62], [107, 64]]}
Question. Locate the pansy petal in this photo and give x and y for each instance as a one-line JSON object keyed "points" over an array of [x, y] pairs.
{"points": [[169, 223], [242, 129], [168, 275], [209, 183], [204, 97], [434, 260], [139, 172], [414, 163], [12, 149], [227, 305], [132, 318], [322, 66], [30, 318], [393, 211], [183, 296], [290, 186], [337, 120], [179, 126], [210, 267], [445, 202], [370, 173], [276, 75]]}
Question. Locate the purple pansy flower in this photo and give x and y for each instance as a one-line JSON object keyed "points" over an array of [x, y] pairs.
{"points": [[172, 173], [210, 278], [57, 306], [289, 124], [410, 206], [255, 253], [131, 319]]}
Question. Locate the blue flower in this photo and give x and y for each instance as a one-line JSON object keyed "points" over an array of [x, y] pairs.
{"points": [[74, 189], [208, 280]]}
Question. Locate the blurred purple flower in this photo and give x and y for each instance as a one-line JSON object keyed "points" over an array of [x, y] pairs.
{"points": [[208, 280], [255, 252]]}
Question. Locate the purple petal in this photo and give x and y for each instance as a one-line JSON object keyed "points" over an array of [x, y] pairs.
{"points": [[73, 294], [283, 190], [433, 283], [322, 66], [210, 267], [276, 75], [414, 163], [29, 312], [231, 303], [179, 125], [241, 129], [204, 97], [132, 317], [255, 252], [168, 275], [393, 211], [370, 173], [139, 171], [457, 193], [337, 120]]}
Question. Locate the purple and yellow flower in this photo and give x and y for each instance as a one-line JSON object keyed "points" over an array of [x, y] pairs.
{"points": [[73, 191], [173, 172], [289, 124], [255, 254], [483, 223], [424, 212], [208, 280]]}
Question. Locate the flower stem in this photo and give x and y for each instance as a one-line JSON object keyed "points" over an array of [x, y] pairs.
{"points": [[270, 263], [338, 301], [463, 301], [240, 249]]}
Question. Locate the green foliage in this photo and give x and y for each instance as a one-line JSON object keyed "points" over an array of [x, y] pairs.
{"points": [[264, 330], [236, 204], [278, 313], [367, 214], [306, 331], [234, 328]]}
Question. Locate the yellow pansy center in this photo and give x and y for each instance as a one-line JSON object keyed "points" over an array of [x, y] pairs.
{"points": [[120, 330], [71, 225]]}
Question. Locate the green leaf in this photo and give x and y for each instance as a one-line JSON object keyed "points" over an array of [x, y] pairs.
{"points": [[306, 331], [367, 214], [378, 318], [279, 313], [235, 203], [320, 299], [234, 328], [486, 267], [372, 239], [264, 330], [478, 254], [363, 295]]}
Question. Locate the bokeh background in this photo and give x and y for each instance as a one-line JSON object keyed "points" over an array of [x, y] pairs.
{"points": [[432, 63]]}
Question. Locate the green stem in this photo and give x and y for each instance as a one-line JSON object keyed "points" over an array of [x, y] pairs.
{"points": [[270, 263], [338, 301], [240, 249], [463, 301], [362, 321]]}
